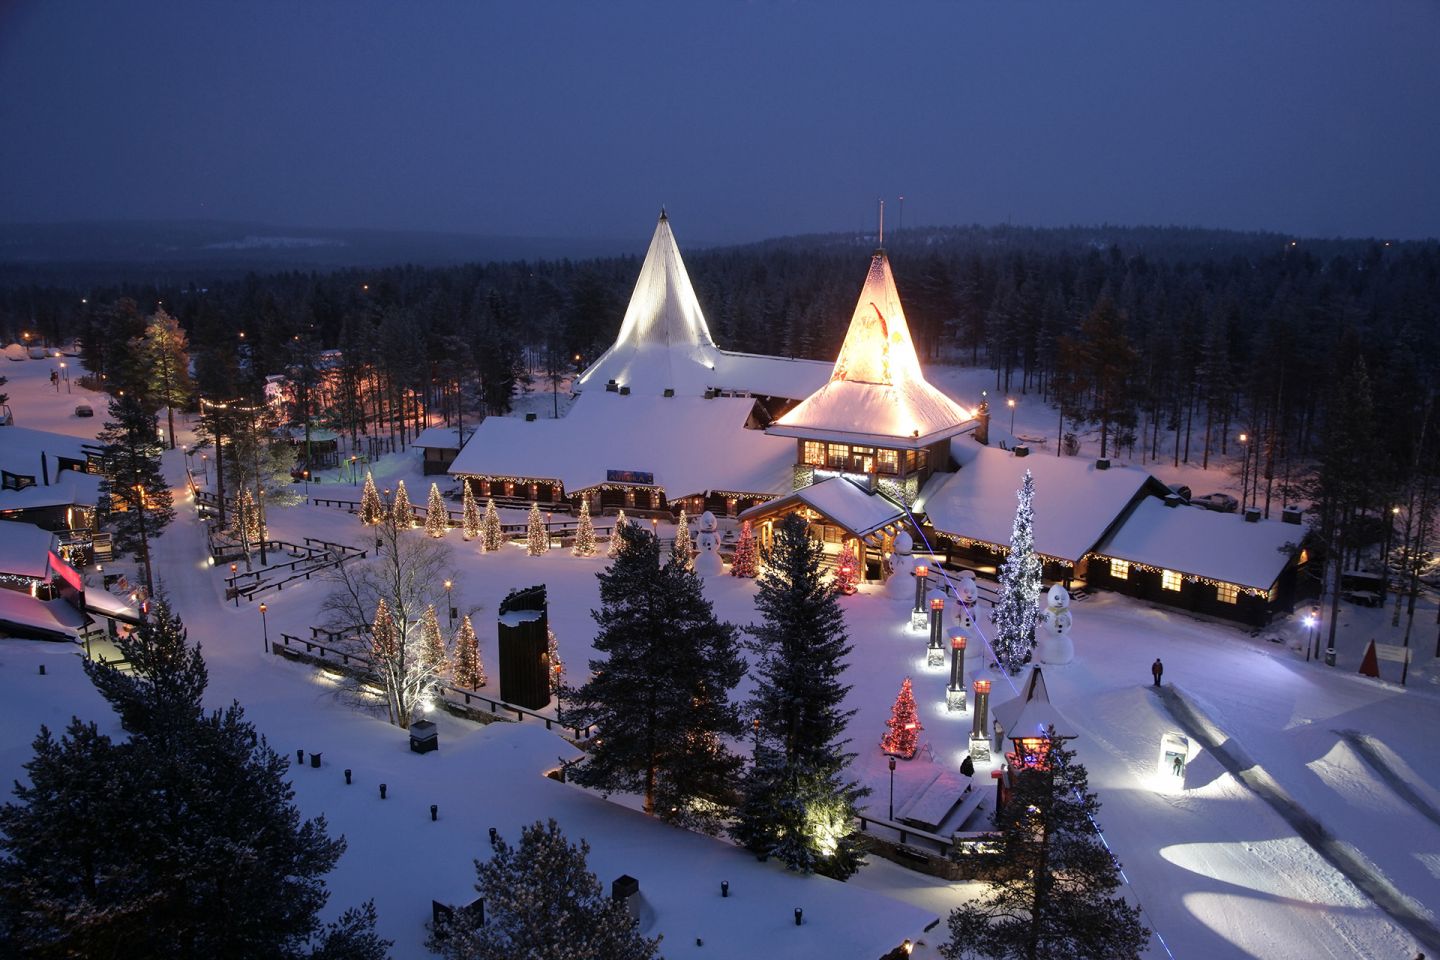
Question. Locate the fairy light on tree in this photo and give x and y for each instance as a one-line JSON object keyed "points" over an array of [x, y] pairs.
{"points": [[537, 538], [847, 572], [469, 512], [492, 537], [682, 551], [401, 510], [469, 670], [902, 737], [432, 642], [746, 562], [557, 666], [1015, 614], [437, 518], [372, 510], [382, 633], [585, 533], [615, 534]]}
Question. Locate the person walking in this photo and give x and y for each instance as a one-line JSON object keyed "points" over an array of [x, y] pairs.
{"points": [[1156, 670]]}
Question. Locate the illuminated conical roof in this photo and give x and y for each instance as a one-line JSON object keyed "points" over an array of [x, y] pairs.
{"points": [[876, 393], [664, 342]]}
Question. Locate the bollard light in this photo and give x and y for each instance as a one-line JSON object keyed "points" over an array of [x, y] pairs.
{"points": [[724, 888], [434, 812], [299, 756], [347, 776], [383, 788], [799, 916]]}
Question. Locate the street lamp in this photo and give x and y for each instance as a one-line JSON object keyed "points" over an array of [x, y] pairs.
{"points": [[892, 789], [450, 603], [1244, 470], [922, 574], [1010, 402], [265, 626], [205, 467], [234, 587], [935, 652]]}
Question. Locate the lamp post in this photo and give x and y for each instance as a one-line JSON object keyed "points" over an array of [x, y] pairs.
{"points": [[1244, 470], [306, 475], [935, 652], [1010, 402], [65, 372], [955, 692], [205, 467], [449, 603], [265, 627], [234, 588], [892, 789], [922, 580]]}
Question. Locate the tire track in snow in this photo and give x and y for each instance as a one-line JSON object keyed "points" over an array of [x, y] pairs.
{"points": [[1365, 746], [1341, 856]]}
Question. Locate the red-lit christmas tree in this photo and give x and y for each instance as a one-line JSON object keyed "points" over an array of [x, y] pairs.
{"points": [[847, 570], [746, 561], [902, 738]]}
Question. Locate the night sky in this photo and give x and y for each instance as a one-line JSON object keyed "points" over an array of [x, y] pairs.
{"points": [[747, 120]]}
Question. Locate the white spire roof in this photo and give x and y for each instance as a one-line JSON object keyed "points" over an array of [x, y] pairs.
{"points": [[1031, 714], [664, 342], [876, 392]]}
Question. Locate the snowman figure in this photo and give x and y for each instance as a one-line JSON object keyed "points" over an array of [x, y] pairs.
{"points": [[901, 585], [1055, 644], [966, 589], [707, 544]]}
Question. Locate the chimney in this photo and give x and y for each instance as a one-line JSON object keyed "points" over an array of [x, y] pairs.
{"points": [[627, 889], [1172, 500]]}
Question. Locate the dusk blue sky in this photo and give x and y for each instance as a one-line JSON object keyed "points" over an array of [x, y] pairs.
{"points": [[747, 120]]}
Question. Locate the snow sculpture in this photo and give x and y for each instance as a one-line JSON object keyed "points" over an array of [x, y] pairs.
{"points": [[707, 557], [1056, 645], [966, 589], [901, 585]]}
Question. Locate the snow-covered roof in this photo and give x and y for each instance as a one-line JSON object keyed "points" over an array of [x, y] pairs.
{"points": [[439, 438], [21, 448], [24, 549], [22, 613], [876, 392], [107, 604], [1031, 713], [71, 488], [689, 444], [1203, 543], [1074, 503], [843, 501]]}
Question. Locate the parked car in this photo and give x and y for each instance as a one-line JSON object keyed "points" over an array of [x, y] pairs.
{"points": [[83, 410], [1181, 491], [1219, 502]]}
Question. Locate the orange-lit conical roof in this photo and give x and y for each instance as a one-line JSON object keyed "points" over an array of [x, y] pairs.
{"points": [[876, 392]]}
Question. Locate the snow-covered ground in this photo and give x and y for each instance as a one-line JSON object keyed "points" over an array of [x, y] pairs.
{"points": [[1219, 872]]}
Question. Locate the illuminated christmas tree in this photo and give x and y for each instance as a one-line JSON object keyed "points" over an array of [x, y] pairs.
{"points": [[437, 518], [902, 737], [585, 533], [372, 511], [746, 561], [469, 513], [383, 641], [847, 570], [400, 510], [537, 538], [615, 534], [432, 642], [1017, 610], [557, 666], [492, 537], [248, 518], [469, 671], [682, 551]]}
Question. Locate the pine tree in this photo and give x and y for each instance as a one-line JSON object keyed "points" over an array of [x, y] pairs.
{"points": [[902, 736], [400, 510], [1015, 614], [1056, 895], [164, 354], [683, 550], [616, 538], [798, 807], [469, 671], [659, 694], [541, 902], [746, 561], [161, 689], [133, 481], [847, 570], [557, 666], [437, 518], [372, 509], [469, 512], [585, 533], [537, 538], [432, 641], [247, 519], [492, 535]]}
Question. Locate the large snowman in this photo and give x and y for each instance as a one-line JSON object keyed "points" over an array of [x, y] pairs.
{"points": [[707, 547], [901, 585], [1054, 642]]}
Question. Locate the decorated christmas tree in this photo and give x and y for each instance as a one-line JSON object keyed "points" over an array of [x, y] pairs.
{"points": [[585, 534], [537, 538], [902, 736], [615, 535], [432, 643], [683, 551], [437, 518], [492, 537], [469, 513], [383, 641], [1016, 611], [847, 570], [557, 666], [404, 516], [247, 517], [746, 561], [372, 511], [469, 671]]}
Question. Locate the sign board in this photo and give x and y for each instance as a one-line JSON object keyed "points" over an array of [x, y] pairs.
{"points": [[630, 476], [1392, 652], [1170, 764]]}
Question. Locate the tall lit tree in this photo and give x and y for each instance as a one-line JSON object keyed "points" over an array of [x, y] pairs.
{"points": [[616, 538], [469, 512], [902, 730], [537, 538], [432, 642], [492, 535], [557, 666], [469, 670], [132, 480], [746, 561], [585, 532], [847, 572], [1016, 611], [683, 550], [372, 509], [401, 512], [164, 356], [437, 518]]}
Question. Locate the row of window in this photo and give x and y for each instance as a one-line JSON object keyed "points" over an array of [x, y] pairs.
{"points": [[1172, 580], [853, 458]]}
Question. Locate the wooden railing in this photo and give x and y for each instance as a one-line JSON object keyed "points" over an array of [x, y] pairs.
{"points": [[319, 555]]}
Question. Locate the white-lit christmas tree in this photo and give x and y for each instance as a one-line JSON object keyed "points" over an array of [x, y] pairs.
{"points": [[469, 671], [847, 570], [557, 666], [682, 550], [437, 518], [537, 538], [902, 735], [383, 641], [469, 512], [432, 642], [400, 509], [248, 517], [372, 510], [615, 540], [585, 533], [1015, 612], [492, 537], [746, 562]]}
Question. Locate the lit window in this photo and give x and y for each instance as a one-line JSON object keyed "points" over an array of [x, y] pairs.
{"points": [[1120, 569], [1169, 580], [1227, 592], [839, 455], [888, 461], [814, 453]]}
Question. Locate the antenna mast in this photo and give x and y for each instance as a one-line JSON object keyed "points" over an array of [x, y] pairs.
{"points": [[882, 224]]}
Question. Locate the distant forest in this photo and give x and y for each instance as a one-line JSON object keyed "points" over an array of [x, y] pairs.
{"points": [[1325, 353]]}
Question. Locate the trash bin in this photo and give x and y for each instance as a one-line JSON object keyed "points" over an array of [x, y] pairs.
{"points": [[1329, 656]]}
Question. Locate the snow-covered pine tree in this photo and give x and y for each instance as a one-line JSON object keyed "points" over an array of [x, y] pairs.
{"points": [[683, 550], [557, 666], [659, 690], [1057, 897], [492, 536], [400, 509], [541, 900], [469, 671], [432, 641], [132, 477], [615, 537], [1016, 611], [437, 518], [160, 689], [372, 509], [585, 532], [469, 512], [902, 730], [798, 805], [537, 538], [847, 570], [746, 561]]}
